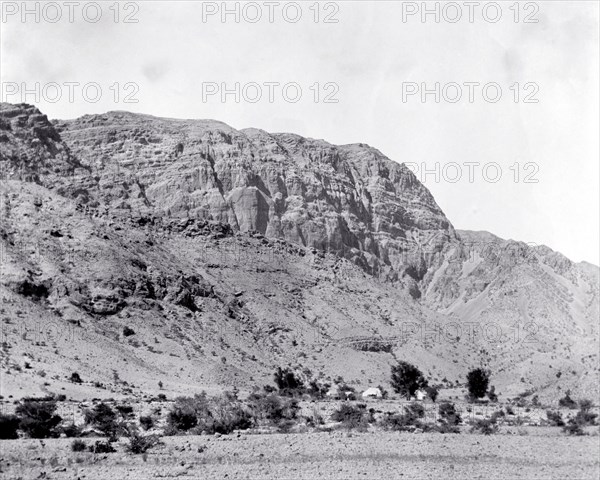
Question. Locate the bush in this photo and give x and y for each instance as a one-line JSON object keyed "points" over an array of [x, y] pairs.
{"points": [[101, 447], [104, 419], [584, 416], [9, 424], [78, 446], [567, 401], [352, 417], [125, 411], [416, 409], [555, 418], [72, 430], [75, 378], [573, 428], [448, 414], [485, 426], [147, 422], [407, 379], [140, 444], [491, 394], [432, 393], [400, 422], [218, 415], [272, 409], [478, 380], [38, 419], [128, 331], [287, 382]]}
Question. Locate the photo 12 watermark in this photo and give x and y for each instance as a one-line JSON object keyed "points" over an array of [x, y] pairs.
{"points": [[269, 92], [271, 12], [69, 92], [469, 92], [69, 12], [470, 12], [471, 172]]}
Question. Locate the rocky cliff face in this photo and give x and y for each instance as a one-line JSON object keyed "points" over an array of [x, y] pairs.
{"points": [[350, 200]]}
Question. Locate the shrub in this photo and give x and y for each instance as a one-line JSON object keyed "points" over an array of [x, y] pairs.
{"points": [[584, 416], [555, 418], [183, 415], [128, 331], [432, 393], [75, 378], [147, 422], [567, 401], [78, 446], [400, 422], [407, 379], [287, 382], [9, 424], [491, 394], [416, 409], [104, 419], [485, 426], [573, 428], [478, 380], [101, 447], [125, 411], [72, 430], [141, 444], [448, 414], [218, 415], [38, 419], [352, 416], [272, 409]]}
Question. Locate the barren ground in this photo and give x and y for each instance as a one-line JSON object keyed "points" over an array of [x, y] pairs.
{"points": [[515, 453]]}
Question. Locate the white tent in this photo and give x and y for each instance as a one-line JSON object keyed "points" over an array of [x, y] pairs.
{"points": [[373, 392]]}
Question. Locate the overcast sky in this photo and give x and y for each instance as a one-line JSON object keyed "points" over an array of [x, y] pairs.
{"points": [[365, 61]]}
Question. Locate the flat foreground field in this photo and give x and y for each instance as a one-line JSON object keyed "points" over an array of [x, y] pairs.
{"points": [[335, 455]]}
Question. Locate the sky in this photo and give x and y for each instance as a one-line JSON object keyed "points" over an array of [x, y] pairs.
{"points": [[494, 107]]}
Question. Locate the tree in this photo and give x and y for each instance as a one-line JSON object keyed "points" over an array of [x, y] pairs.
{"points": [[478, 380], [104, 419], [432, 393], [38, 419], [287, 382], [407, 379]]}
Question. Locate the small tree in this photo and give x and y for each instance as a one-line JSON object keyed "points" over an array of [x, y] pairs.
{"points": [[38, 419], [478, 380], [104, 419], [432, 393], [287, 382], [407, 379]]}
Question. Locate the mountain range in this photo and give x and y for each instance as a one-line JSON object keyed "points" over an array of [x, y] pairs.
{"points": [[138, 249]]}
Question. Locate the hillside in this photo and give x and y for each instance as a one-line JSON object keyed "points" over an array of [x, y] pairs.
{"points": [[229, 253]]}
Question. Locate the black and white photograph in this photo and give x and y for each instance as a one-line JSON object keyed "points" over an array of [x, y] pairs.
{"points": [[299, 240]]}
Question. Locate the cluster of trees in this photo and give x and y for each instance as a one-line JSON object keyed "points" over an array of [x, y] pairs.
{"points": [[406, 379]]}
